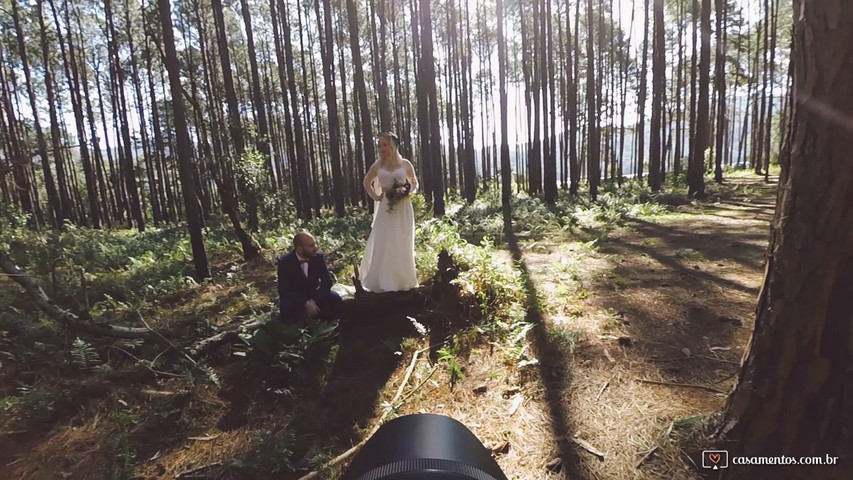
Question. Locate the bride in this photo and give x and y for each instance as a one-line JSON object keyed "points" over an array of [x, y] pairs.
{"points": [[389, 258]]}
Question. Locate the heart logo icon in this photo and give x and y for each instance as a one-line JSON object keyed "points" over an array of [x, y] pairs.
{"points": [[714, 457]]}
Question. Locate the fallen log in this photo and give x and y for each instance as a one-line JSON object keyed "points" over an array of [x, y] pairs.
{"points": [[209, 344], [65, 317]]}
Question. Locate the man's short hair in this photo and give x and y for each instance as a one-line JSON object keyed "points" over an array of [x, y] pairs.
{"points": [[299, 239]]}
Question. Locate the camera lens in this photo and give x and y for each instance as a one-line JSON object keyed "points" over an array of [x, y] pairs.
{"points": [[423, 447]]}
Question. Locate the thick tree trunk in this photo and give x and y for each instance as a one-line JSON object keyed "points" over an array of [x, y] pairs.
{"points": [[794, 395]]}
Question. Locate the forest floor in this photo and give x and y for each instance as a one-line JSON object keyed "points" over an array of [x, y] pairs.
{"points": [[640, 332], [636, 337]]}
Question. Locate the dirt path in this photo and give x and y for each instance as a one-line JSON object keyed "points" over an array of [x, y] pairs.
{"points": [[639, 338], [659, 314]]}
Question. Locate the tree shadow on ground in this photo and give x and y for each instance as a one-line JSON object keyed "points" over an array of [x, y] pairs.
{"points": [[368, 354], [688, 327], [720, 244], [553, 366]]}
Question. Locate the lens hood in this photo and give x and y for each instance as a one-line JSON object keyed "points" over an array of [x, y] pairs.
{"points": [[423, 447]]}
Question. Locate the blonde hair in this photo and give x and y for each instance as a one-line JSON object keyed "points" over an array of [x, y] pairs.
{"points": [[395, 141]]}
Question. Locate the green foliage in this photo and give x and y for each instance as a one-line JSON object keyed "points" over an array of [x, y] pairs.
{"points": [[273, 452], [517, 345], [320, 464], [193, 373], [448, 355], [30, 405], [84, 355], [691, 421], [119, 451], [287, 345], [533, 218], [254, 182], [13, 222], [564, 340]]}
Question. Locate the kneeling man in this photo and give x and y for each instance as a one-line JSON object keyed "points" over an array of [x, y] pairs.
{"points": [[305, 283]]}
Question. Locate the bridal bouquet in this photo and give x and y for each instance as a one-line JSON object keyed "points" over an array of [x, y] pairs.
{"points": [[397, 192]]}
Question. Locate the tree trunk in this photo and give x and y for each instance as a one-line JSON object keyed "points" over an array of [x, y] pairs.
{"points": [[720, 82], [263, 140], [351, 187], [184, 146], [16, 155], [160, 175], [506, 168], [54, 202], [129, 166], [793, 397], [115, 190], [696, 167], [153, 193], [774, 13], [361, 91], [467, 155], [679, 119], [549, 164], [328, 55], [573, 58], [379, 70], [429, 79], [234, 120], [276, 13], [694, 18], [641, 107], [594, 143], [71, 73], [658, 86]]}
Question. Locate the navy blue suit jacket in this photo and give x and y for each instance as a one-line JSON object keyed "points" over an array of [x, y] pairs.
{"points": [[294, 288]]}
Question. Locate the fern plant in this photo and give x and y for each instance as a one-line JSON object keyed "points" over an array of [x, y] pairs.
{"points": [[84, 355], [448, 356]]}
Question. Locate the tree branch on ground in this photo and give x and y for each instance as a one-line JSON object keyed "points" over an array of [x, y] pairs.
{"points": [[65, 317]]}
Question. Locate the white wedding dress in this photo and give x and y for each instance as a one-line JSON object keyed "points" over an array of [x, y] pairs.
{"points": [[388, 264]]}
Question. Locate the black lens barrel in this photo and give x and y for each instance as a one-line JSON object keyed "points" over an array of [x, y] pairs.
{"points": [[423, 447]]}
